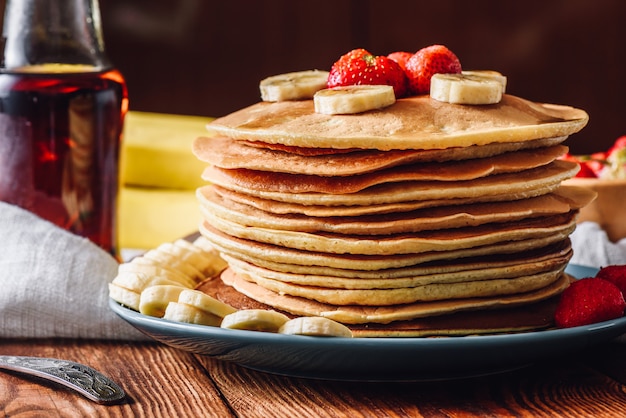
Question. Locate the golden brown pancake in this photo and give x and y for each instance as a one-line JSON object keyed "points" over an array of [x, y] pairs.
{"points": [[411, 123], [442, 217], [421, 209], [227, 153], [404, 243], [286, 188], [571, 197], [352, 314], [275, 256], [482, 288], [453, 271], [527, 317]]}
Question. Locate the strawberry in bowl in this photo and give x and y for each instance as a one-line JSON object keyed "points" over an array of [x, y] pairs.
{"points": [[605, 173]]}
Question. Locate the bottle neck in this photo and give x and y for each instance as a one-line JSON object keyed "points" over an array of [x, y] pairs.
{"points": [[53, 36]]}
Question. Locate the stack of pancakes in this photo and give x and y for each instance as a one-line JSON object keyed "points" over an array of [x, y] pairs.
{"points": [[419, 210]]}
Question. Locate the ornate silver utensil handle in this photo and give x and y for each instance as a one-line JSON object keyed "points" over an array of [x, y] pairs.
{"points": [[83, 379]]}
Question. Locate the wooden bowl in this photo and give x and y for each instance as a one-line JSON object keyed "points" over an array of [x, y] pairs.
{"points": [[609, 207]]}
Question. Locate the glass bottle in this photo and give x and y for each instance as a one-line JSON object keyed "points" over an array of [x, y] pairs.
{"points": [[62, 108]]}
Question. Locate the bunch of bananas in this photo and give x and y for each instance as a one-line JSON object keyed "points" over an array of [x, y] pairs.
{"points": [[162, 282]]}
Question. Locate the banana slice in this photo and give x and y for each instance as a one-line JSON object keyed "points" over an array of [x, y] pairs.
{"points": [[185, 255], [124, 296], [315, 326], [150, 267], [353, 99], [293, 86], [139, 281], [211, 263], [466, 89], [489, 74], [255, 320], [180, 312], [154, 299], [164, 258], [205, 303]]}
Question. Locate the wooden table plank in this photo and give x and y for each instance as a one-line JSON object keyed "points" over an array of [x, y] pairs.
{"points": [[159, 381], [163, 382], [563, 388]]}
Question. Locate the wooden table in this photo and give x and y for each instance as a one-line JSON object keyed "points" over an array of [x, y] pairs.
{"points": [[164, 382]]}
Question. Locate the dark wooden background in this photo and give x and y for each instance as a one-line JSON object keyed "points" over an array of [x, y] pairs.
{"points": [[204, 57]]}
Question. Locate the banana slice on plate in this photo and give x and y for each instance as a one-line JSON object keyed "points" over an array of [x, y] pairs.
{"points": [[150, 267], [181, 312], [316, 327], [255, 320], [154, 299], [124, 296], [293, 86], [213, 263], [353, 99], [139, 281], [163, 257], [205, 303], [471, 88]]}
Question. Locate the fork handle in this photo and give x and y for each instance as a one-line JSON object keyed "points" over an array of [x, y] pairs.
{"points": [[83, 379]]}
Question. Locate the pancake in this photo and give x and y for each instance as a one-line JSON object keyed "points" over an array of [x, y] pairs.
{"points": [[492, 265], [319, 262], [482, 288], [511, 186], [226, 153], [571, 197], [420, 210], [527, 317], [443, 217], [440, 171], [404, 243], [351, 314], [411, 123], [406, 278]]}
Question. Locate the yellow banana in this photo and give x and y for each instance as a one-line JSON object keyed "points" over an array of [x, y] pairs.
{"points": [[315, 326], [255, 320], [292, 86], [353, 99], [154, 299], [205, 303], [180, 312]]}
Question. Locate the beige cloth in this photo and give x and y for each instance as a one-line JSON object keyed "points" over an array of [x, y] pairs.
{"points": [[53, 283]]}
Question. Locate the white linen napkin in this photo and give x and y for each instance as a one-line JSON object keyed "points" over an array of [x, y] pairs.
{"points": [[54, 283], [593, 248]]}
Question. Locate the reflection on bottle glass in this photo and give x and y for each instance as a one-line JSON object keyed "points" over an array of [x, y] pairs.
{"points": [[60, 135]]}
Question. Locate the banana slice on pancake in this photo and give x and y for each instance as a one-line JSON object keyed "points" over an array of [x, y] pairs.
{"points": [[475, 88], [315, 327], [353, 99], [255, 320], [293, 86]]}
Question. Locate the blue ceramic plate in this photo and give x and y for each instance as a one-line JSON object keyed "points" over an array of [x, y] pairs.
{"points": [[375, 359]]}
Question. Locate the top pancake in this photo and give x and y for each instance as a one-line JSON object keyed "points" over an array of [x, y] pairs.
{"points": [[412, 123]]}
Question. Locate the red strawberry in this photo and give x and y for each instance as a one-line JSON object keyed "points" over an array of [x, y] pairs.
{"points": [[585, 170], [401, 57], [616, 274], [587, 301], [428, 61], [361, 67]]}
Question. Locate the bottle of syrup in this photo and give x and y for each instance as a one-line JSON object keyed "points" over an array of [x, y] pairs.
{"points": [[62, 107]]}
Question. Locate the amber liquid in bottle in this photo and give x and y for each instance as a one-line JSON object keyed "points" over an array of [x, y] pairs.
{"points": [[60, 136]]}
